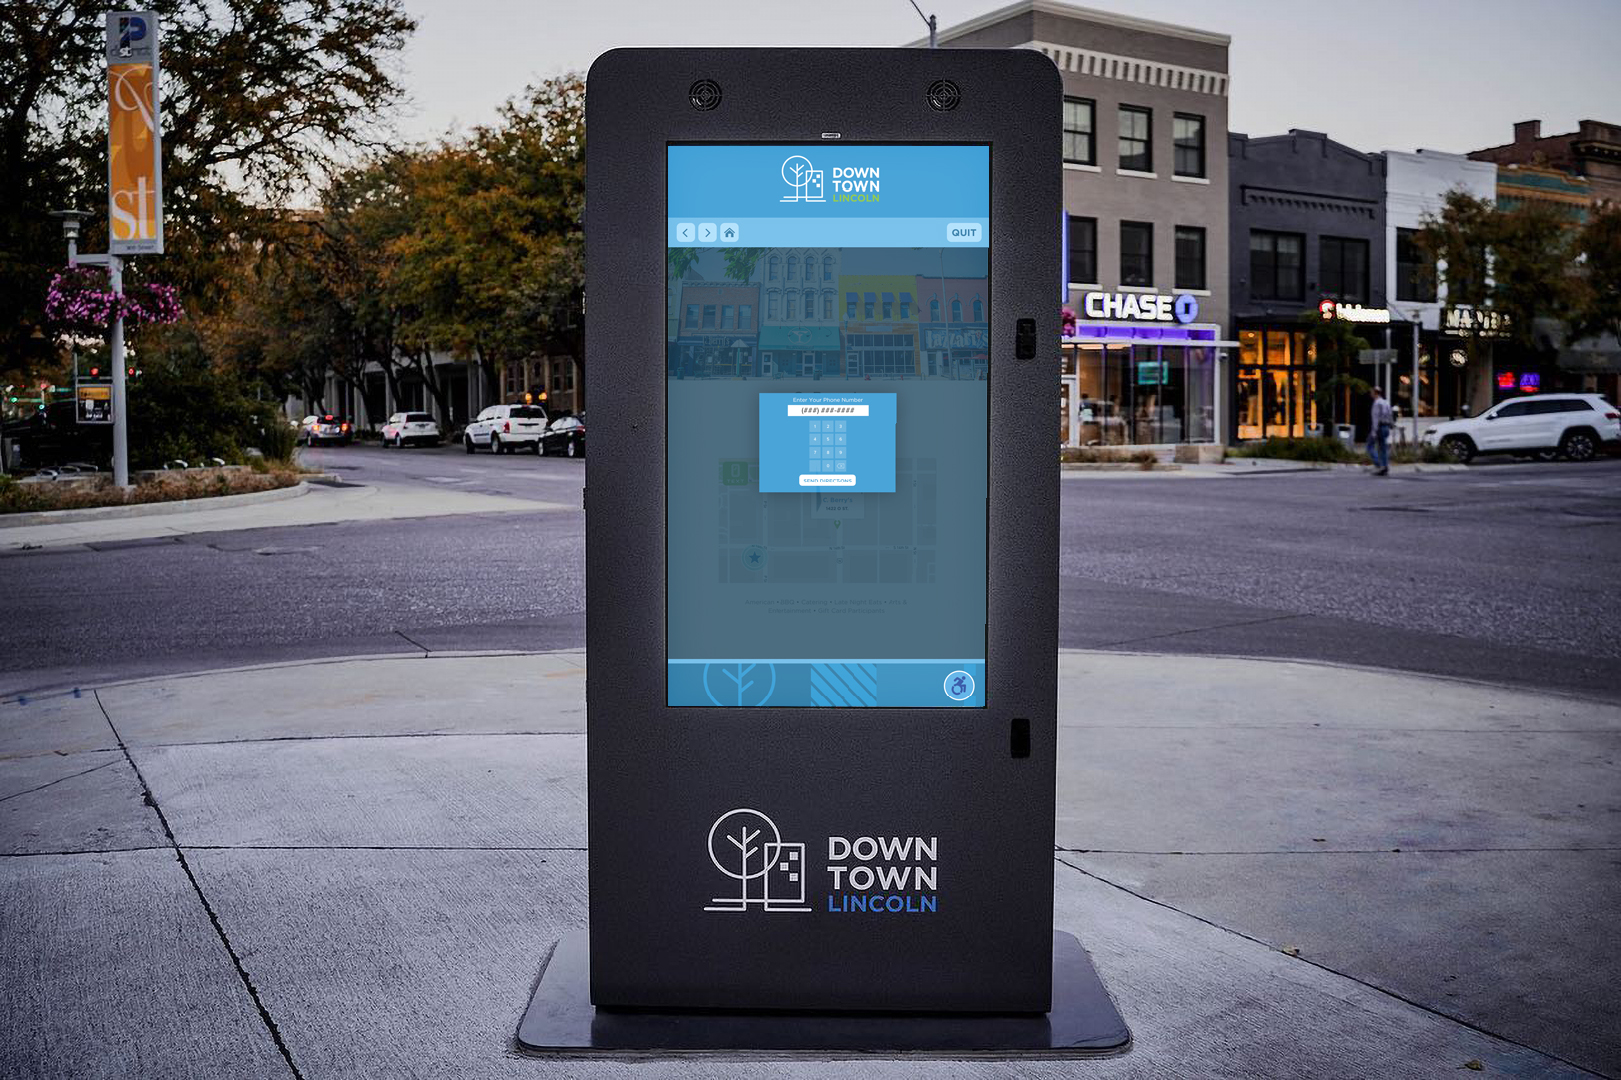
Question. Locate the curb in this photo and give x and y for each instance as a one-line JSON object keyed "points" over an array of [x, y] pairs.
{"points": [[177, 506], [1288, 465], [1116, 466]]}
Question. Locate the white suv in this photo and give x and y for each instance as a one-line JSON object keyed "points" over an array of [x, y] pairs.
{"points": [[506, 428], [1574, 426]]}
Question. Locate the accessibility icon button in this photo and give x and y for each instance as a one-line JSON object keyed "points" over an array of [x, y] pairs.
{"points": [[959, 686]]}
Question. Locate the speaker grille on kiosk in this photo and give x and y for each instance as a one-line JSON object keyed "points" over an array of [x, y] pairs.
{"points": [[704, 94], [943, 95]]}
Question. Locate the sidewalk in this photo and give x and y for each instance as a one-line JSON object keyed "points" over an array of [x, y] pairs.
{"points": [[319, 506], [378, 853], [1240, 467]]}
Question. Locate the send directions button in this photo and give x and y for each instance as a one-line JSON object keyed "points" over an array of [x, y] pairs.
{"points": [[965, 232], [827, 479]]}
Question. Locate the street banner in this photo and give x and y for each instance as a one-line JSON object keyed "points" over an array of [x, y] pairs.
{"points": [[134, 147]]}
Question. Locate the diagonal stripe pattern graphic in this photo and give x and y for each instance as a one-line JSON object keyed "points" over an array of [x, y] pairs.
{"points": [[844, 684]]}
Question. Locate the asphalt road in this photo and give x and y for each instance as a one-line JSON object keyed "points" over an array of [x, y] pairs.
{"points": [[1507, 573]]}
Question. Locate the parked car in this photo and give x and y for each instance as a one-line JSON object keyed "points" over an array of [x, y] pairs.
{"points": [[566, 436], [506, 429], [325, 428], [1573, 426], [408, 428], [54, 436]]}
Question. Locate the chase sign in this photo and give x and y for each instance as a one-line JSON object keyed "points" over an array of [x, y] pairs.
{"points": [[1141, 307]]}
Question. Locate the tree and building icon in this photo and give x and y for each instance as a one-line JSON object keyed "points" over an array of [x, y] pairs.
{"points": [[745, 845], [806, 180]]}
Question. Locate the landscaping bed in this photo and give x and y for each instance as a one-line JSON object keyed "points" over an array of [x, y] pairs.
{"points": [[74, 493]]}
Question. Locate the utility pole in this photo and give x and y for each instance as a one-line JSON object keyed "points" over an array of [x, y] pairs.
{"points": [[929, 19]]}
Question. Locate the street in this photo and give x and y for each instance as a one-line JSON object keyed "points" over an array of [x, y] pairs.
{"points": [[1505, 573]]}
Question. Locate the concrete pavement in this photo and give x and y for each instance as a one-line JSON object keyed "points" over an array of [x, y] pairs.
{"points": [[355, 868]]}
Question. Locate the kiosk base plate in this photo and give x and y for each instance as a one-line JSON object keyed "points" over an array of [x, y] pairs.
{"points": [[561, 1021]]}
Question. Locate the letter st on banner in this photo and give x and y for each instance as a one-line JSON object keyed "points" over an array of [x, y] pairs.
{"points": [[134, 149]]}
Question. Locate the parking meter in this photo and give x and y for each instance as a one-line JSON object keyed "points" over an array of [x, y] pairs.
{"points": [[821, 538]]}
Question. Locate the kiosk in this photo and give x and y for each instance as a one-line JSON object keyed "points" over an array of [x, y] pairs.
{"points": [[821, 560]]}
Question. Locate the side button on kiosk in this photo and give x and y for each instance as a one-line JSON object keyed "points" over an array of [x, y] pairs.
{"points": [[822, 637]]}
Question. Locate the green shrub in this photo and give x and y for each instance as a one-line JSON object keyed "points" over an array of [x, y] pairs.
{"points": [[1313, 449], [274, 437], [182, 406], [1092, 455], [1411, 455]]}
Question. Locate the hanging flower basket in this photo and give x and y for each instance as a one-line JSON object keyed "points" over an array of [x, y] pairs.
{"points": [[1069, 322], [82, 298]]}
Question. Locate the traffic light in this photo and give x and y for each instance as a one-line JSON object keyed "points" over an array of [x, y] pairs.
{"points": [[94, 372]]}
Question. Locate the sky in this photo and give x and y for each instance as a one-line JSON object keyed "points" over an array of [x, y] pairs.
{"points": [[1377, 75]]}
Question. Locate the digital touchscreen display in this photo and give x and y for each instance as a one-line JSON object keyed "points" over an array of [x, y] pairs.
{"points": [[827, 424]]}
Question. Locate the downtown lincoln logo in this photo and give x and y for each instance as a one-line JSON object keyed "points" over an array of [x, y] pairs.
{"points": [[869, 874]]}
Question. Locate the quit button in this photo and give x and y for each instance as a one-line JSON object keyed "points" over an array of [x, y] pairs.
{"points": [[965, 232]]}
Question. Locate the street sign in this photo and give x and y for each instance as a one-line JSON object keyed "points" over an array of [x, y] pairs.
{"points": [[1376, 356], [95, 402], [821, 753]]}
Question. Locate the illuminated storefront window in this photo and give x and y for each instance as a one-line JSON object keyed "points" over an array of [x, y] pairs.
{"points": [[1276, 384]]}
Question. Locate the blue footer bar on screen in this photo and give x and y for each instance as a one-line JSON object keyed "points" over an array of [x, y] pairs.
{"points": [[798, 683]]}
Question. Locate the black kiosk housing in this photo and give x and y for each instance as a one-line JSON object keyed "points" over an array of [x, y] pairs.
{"points": [[978, 781]]}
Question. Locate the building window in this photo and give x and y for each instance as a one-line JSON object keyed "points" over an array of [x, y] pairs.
{"points": [[1136, 139], [1187, 133], [771, 304], [1277, 265], [979, 310], [889, 305], [1344, 269], [745, 313], [934, 309], [827, 306], [793, 268], [850, 306], [1083, 250], [810, 303], [709, 316], [1415, 273], [906, 305], [726, 317], [1189, 257], [956, 311], [827, 268], [1080, 115], [773, 268], [692, 315], [1136, 253], [869, 302], [792, 309]]}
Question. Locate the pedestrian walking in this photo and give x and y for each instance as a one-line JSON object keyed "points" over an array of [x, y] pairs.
{"points": [[1379, 423]]}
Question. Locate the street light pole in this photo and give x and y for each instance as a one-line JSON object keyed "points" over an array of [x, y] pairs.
{"points": [[927, 19], [115, 272]]}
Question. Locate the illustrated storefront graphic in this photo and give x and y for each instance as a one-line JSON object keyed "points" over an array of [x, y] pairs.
{"points": [[746, 847]]}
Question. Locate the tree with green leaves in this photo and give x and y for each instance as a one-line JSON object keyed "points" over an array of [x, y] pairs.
{"points": [[1598, 299], [1516, 262], [1333, 346], [259, 96], [740, 262]]}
